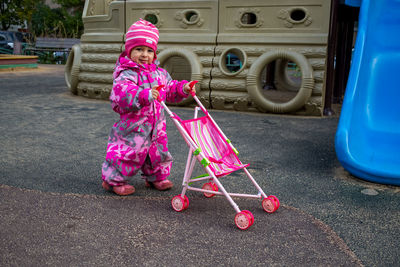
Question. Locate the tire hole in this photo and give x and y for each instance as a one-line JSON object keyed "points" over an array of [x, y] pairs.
{"points": [[280, 81], [178, 67]]}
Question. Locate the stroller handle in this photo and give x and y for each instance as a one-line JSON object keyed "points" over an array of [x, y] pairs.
{"points": [[191, 84], [159, 89]]}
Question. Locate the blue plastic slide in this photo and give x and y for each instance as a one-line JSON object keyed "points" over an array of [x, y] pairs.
{"points": [[368, 135]]}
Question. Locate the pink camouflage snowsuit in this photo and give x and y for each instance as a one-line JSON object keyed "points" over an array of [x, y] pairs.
{"points": [[138, 141]]}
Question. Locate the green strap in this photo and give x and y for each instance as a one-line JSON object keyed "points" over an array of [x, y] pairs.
{"points": [[200, 176], [205, 162], [233, 148], [197, 151]]}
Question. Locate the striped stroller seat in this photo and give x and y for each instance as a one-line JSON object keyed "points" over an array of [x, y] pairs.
{"points": [[221, 156]]}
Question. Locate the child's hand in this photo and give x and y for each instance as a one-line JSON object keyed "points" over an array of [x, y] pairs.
{"points": [[187, 88], [154, 92]]}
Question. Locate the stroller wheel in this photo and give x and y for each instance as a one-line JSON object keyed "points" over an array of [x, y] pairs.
{"points": [[211, 187], [269, 205], [277, 204], [186, 202], [251, 216], [178, 203], [243, 220]]}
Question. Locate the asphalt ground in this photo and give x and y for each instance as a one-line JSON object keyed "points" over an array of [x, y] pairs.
{"points": [[55, 212]]}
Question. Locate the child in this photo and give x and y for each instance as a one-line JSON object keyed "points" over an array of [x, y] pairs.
{"points": [[138, 141]]}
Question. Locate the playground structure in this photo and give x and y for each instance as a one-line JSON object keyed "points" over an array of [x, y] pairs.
{"points": [[266, 56], [368, 134]]}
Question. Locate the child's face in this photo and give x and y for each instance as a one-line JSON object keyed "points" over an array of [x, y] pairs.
{"points": [[142, 55]]}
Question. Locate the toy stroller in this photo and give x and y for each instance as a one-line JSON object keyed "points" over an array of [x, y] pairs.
{"points": [[214, 151]]}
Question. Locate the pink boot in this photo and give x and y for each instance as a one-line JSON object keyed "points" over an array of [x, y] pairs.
{"points": [[160, 185], [122, 190]]}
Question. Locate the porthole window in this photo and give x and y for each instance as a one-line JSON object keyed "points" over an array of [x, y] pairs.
{"points": [[232, 61], [248, 18], [298, 15], [191, 16], [151, 18]]}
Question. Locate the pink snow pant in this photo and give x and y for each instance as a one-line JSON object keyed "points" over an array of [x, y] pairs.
{"points": [[139, 150]]}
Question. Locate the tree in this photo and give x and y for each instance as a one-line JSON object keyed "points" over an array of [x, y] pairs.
{"points": [[72, 13], [16, 12], [64, 21]]}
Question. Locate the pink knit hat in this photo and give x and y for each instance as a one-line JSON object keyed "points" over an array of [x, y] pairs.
{"points": [[140, 33]]}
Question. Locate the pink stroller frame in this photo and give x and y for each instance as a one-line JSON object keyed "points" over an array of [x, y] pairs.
{"points": [[213, 150]]}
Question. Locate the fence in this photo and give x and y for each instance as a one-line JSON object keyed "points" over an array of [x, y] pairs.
{"points": [[52, 50]]}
